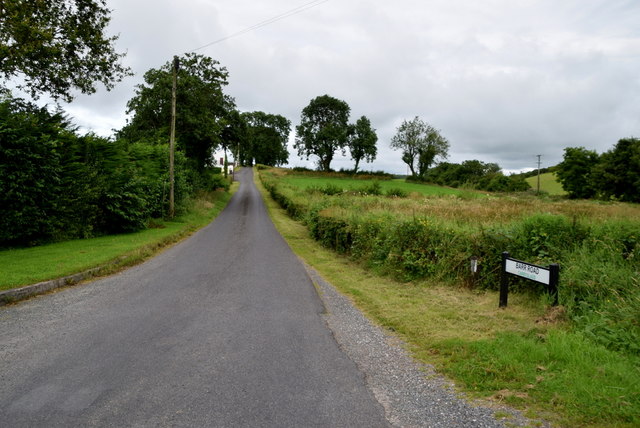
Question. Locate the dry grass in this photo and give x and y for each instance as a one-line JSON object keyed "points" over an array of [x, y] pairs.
{"points": [[487, 211]]}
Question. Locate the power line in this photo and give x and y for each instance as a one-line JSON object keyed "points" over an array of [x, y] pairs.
{"points": [[266, 22]]}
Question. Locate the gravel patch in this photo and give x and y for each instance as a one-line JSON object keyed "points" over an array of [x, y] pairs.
{"points": [[412, 393]]}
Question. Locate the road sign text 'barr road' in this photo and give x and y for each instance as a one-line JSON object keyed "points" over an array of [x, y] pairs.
{"points": [[549, 276]]}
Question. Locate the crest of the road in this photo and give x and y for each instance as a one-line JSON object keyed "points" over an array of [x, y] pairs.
{"points": [[224, 329]]}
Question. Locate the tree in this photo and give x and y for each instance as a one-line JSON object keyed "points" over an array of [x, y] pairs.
{"points": [[470, 172], [234, 136], [323, 129], [420, 143], [618, 173], [267, 135], [575, 172], [57, 46], [362, 142], [201, 112]]}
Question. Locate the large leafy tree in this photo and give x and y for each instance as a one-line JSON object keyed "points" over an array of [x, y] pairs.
{"points": [[421, 145], [234, 135], [58, 46], [267, 138], [618, 173], [323, 129], [362, 142], [575, 172], [202, 107]]}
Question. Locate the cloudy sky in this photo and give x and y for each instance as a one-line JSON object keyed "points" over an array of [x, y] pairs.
{"points": [[504, 80]]}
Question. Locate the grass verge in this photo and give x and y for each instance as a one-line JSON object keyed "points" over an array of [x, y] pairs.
{"points": [[25, 266], [524, 356]]}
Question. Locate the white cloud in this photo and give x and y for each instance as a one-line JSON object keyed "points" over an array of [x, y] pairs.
{"points": [[503, 80]]}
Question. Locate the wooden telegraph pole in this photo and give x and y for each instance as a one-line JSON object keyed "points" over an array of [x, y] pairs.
{"points": [[538, 191], [172, 139]]}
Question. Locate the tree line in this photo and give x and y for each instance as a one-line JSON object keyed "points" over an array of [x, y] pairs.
{"points": [[612, 175]]}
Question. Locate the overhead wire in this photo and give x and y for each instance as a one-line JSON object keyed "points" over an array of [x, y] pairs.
{"points": [[266, 22]]}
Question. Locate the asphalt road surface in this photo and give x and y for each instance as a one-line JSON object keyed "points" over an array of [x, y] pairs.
{"points": [[224, 329]]}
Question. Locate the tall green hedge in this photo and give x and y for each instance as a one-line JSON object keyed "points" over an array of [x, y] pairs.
{"points": [[55, 184]]}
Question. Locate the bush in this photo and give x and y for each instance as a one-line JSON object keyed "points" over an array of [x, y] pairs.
{"points": [[56, 185], [396, 192]]}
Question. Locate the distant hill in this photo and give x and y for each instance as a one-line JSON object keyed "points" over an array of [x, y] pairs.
{"points": [[548, 183]]}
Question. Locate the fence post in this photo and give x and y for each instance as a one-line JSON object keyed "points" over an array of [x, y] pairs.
{"points": [[554, 279], [504, 281]]}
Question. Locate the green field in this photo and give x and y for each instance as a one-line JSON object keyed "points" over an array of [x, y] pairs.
{"points": [[351, 184], [548, 183]]}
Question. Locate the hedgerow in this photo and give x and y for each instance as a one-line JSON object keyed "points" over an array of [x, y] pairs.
{"points": [[600, 285]]}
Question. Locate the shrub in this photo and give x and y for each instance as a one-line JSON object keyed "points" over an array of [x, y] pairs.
{"points": [[396, 192]]}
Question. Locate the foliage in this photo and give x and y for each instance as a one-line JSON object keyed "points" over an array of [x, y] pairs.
{"points": [[415, 238], [57, 46], [614, 175], [323, 129], [362, 142], [524, 355], [469, 172], [498, 182], [476, 174], [202, 107], [267, 137], [574, 172], [234, 135], [25, 266], [618, 173], [56, 185], [420, 143]]}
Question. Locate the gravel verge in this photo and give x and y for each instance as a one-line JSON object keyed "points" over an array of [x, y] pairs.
{"points": [[412, 394]]}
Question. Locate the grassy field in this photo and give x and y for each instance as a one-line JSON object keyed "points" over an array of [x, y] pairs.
{"points": [[353, 184], [25, 266], [548, 183], [573, 365]]}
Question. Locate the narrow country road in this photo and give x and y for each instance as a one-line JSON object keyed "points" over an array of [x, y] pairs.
{"points": [[224, 329]]}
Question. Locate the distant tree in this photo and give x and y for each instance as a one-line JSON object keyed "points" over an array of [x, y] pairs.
{"points": [[202, 107], [471, 172], [57, 46], [323, 129], [618, 173], [362, 142], [420, 143], [234, 135], [575, 172], [267, 136], [498, 182]]}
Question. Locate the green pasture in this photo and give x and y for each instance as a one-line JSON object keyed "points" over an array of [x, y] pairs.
{"points": [[548, 183], [354, 184]]}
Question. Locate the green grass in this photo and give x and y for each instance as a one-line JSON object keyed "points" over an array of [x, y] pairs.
{"points": [[25, 266], [352, 184], [548, 183], [527, 356]]}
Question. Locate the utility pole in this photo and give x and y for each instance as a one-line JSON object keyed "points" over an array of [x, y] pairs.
{"points": [[172, 139], [538, 192]]}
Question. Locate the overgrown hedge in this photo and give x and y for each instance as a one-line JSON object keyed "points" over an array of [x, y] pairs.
{"points": [[600, 282], [55, 184]]}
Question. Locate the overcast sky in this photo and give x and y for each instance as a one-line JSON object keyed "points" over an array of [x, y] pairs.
{"points": [[504, 80]]}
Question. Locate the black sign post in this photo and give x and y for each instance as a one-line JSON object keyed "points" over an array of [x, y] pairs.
{"points": [[550, 276]]}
